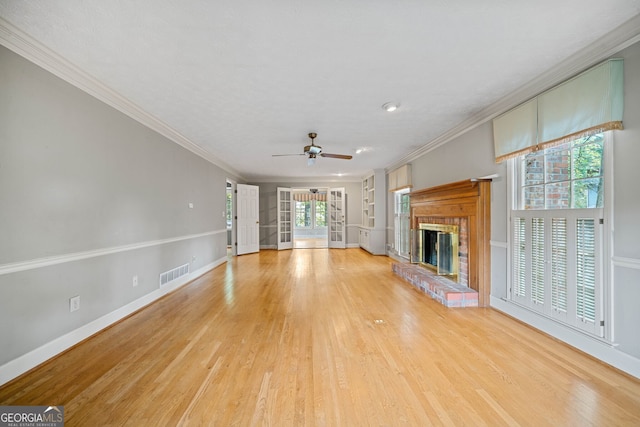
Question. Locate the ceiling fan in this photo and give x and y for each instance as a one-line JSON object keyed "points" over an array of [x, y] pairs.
{"points": [[313, 150]]}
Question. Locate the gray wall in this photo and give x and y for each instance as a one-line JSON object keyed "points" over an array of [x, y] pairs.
{"points": [[626, 211], [268, 208], [77, 176], [471, 155]]}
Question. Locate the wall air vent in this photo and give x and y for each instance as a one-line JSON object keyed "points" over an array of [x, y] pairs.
{"points": [[173, 274]]}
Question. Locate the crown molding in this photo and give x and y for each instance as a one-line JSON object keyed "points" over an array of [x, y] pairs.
{"points": [[603, 48], [24, 45], [311, 180]]}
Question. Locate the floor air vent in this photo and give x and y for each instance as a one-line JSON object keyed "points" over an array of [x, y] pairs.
{"points": [[173, 274]]}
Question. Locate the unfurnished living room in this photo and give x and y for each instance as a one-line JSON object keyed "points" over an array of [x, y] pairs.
{"points": [[324, 214]]}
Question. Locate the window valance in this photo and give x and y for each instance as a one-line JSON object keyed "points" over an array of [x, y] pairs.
{"points": [[589, 103], [400, 178], [305, 197]]}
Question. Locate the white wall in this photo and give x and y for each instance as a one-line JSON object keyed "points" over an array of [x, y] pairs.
{"points": [[89, 198]]}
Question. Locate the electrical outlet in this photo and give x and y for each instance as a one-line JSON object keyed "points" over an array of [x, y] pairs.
{"points": [[135, 281], [190, 205], [74, 304], [193, 258]]}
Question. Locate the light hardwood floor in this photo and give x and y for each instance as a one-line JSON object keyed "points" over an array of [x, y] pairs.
{"points": [[323, 337], [310, 243]]}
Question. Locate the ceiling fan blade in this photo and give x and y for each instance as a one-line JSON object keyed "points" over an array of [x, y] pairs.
{"points": [[284, 155], [337, 156]]}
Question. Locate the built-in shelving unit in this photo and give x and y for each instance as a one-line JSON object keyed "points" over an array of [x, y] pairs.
{"points": [[368, 201], [372, 230]]}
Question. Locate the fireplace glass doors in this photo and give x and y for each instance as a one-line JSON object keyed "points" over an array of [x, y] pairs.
{"points": [[436, 247]]}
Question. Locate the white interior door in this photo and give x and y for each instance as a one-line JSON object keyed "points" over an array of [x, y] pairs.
{"points": [[285, 218], [248, 219], [337, 218]]}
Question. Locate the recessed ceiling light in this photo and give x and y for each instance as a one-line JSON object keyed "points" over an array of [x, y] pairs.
{"points": [[390, 106]]}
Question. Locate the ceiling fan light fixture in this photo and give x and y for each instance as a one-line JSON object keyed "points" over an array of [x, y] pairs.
{"points": [[313, 150], [390, 107]]}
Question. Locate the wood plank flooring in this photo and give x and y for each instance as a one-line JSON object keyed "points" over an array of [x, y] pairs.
{"points": [[323, 338], [310, 243]]}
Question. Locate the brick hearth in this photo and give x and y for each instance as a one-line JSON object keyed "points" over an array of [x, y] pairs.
{"points": [[443, 290]]}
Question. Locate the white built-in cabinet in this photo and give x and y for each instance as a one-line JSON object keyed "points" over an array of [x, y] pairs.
{"points": [[374, 222]]}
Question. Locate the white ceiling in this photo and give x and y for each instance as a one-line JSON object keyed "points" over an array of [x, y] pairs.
{"points": [[247, 79]]}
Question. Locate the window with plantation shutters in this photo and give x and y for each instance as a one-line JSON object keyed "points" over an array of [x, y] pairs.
{"points": [[556, 250], [402, 225], [553, 277], [555, 143]]}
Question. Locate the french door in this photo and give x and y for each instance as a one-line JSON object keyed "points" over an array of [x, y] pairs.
{"points": [[285, 218], [336, 211]]}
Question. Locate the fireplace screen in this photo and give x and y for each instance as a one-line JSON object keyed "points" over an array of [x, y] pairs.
{"points": [[436, 247]]}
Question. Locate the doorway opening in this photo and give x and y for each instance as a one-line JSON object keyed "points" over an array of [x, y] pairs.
{"points": [[310, 227]]}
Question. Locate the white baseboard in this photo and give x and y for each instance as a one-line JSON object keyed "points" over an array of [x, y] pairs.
{"points": [[28, 361], [606, 352]]}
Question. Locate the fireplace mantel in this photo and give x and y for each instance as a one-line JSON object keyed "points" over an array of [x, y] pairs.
{"points": [[469, 201]]}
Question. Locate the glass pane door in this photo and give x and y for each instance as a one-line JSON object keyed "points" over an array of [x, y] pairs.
{"points": [[285, 214], [336, 218]]}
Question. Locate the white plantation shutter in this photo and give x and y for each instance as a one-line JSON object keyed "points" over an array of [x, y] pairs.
{"points": [[519, 258], [586, 269], [537, 261], [555, 265], [559, 264]]}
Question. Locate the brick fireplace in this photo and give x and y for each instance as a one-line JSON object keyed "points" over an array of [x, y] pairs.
{"points": [[462, 266], [465, 204]]}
